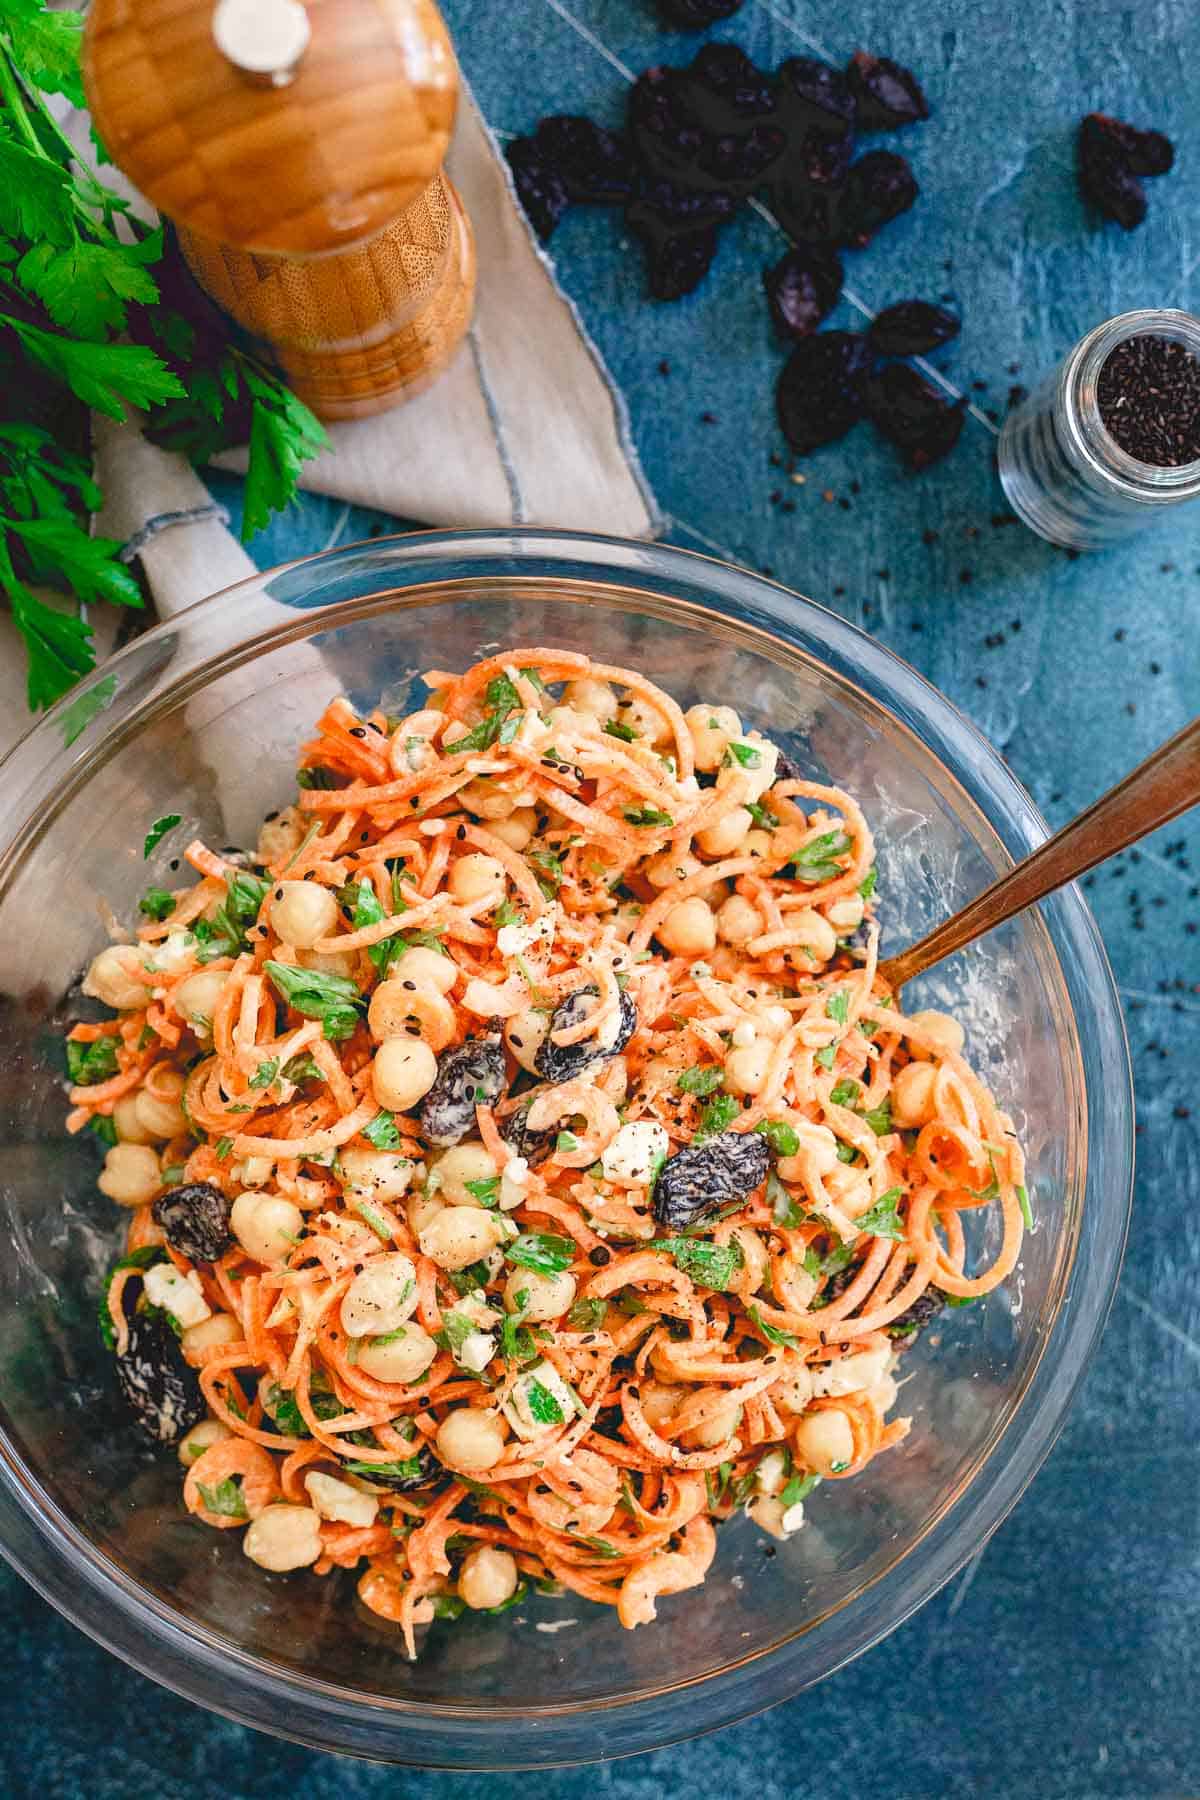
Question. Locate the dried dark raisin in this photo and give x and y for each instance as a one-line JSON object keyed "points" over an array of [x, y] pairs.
{"points": [[912, 328], [1142, 152], [879, 187], [1108, 175], [886, 94], [519, 1134], [703, 1179], [662, 208], [162, 1391], [821, 392], [802, 288], [725, 90], [595, 165], [677, 263], [814, 97], [810, 212], [540, 188], [666, 136], [694, 15], [195, 1219], [469, 1076], [914, 1319], [562, 1062], [740, 160], [922, 424]]}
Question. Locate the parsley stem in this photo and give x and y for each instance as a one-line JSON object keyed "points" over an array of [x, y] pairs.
{"points": [[14, 99]]}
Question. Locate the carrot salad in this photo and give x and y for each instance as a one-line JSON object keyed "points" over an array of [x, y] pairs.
{"points": [[527, 1165]]}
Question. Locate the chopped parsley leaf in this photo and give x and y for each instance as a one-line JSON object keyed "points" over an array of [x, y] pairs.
{"points": [[845, 1093], [88, 1064], [225, 1499], [827, 1056], [487, 1191], [797, 1489], [615, 728], [158, 832], [566, 1141], [266, 1073], [866, 886], [712, 1265], [586, 1315], [505, 914], [157, 904], [772, 1333], [717, 1116], [880, 1117], [837, 1007], [745, 754], [382, 1132], [882, 1219], [647, 815], [541, 1402], [814, 863], [543, 1251], [224, 1146], [699, 1081], [1026, 1209], [104, 1129], [783, 1206], [780, 1135], [331, 998], [762, 815]]}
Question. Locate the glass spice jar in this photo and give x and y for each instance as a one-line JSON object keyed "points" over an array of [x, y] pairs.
{"points": [[1063, 472]]}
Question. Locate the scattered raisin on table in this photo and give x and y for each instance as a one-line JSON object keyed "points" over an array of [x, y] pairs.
{"points": [[725, 89], [1143, 152], [1113, 156], [879, 187], [886, 94], [540, 188], [802, 288], [912, 415], [822, 390], [595, 165], [694, 15], [912, 328]]}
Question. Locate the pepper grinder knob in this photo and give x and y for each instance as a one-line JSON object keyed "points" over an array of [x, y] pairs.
{"points": [[264, 39]]}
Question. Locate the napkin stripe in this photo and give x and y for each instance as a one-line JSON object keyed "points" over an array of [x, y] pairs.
{"points": [[512, 479], [166, 521]]}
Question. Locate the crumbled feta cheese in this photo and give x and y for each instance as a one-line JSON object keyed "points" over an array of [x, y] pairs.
{"points": [[771, 1472], [513, 1181], [635, 1153], [475, 1308], [744, 1034], [517, 1409], [850, 1374], [751, 761], [335, 1499], [180, 1295], [516, 939], [793, 1518], [175, 952]]}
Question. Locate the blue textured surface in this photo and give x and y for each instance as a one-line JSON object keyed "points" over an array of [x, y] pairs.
{"points": [[1063, 1661]]}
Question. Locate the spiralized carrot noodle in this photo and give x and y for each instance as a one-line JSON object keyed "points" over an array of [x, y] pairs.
{"points": [[568, 1280]]}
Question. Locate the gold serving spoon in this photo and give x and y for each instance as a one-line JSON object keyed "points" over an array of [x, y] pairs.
{"points": [[1157, 791]]}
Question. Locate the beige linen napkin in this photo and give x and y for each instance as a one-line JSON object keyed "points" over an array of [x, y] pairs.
{"points": [[525, 428]]}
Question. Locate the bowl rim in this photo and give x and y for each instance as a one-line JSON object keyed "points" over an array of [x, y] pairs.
{"points": [[160, 1640]]}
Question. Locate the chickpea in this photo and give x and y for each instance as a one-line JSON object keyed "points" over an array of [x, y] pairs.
{"points": [[660, 1402], [738, 921], [817, 1153], [487, 1578], [403, 1072], [422, 1208], [593, 698], [646, 722], [816, 936], [471, 1440], [197, 995], [455, 1167], [302, 912], [459, 1236], [428, 968], [689, 928], [477, 877], [539, 1296], [715, 1430], [160, 1114], [280, 837], [517, 829], [912, 1095], [793, 1393], [772, 1020], [131, 1175], [253, 1171], [711, 728], [768, 1514], [222, 1328], [846, 914], [378, 1174], [944, 1035], [402, 1358], [824, 1441], [746, 1067], [200, 1438], [113, 977], [338, 1501], [130, 1129], [525, 1034], [381, 1296], [670, 866], [284, 1537], [265, 1225], [330, 962], [849, 1189], [756, 843], [754, 1259], [391, 1009], [854, 1374], [487, 801], [724, 837]]}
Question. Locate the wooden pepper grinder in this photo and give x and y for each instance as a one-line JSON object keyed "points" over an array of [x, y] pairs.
{"points": [[298, 150]]}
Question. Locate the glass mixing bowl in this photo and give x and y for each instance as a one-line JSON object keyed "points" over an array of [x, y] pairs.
{"points": [[203, 717]]}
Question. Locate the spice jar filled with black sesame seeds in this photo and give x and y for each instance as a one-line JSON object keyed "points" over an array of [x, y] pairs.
{"points": [[1110, 441]]}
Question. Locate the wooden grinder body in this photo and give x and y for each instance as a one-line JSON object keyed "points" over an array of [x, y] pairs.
{"points": [[314, 212]]}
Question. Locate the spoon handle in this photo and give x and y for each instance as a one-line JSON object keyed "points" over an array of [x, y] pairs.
{"points": [[1158, 790]]}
